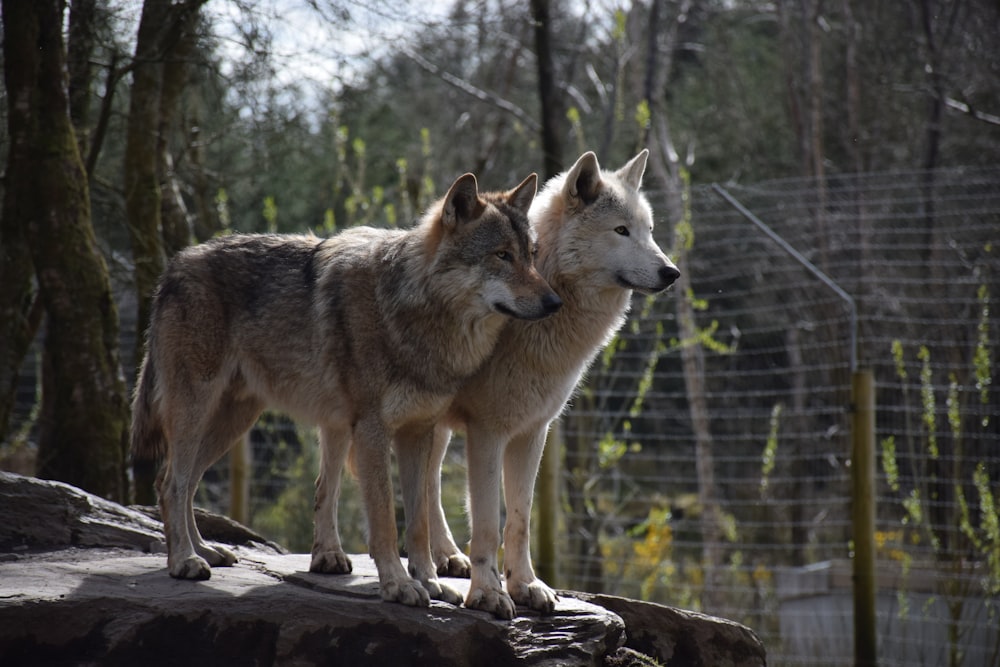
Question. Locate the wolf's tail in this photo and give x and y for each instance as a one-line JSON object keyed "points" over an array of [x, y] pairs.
{"points": [[148, 441]]}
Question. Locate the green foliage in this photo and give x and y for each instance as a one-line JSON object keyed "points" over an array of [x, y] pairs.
{"points": [[898, 358], [643, 116], [770, 455], [919, 500], [987, 541], [610, 450], [270, 213], [705, 337], [646, 380], [329, 222], [929, 413], [650, 557], [289, 520], [889, 462], [981, 357]]}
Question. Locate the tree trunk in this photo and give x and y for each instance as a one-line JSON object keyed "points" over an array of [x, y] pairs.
{"points": [[20, 308], [19, 301], [142, 184], [176, 221], [79, 47], [548, 90], [206, 219], [665, 164], [161, 38], [82, 432], [552, 120]]}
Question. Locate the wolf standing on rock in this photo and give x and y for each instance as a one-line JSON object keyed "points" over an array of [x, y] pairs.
{"points": [[368, 334], [595, 247]]}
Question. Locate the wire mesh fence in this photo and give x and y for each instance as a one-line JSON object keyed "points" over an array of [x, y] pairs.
{"points": [[712, 471], [770, 542]]}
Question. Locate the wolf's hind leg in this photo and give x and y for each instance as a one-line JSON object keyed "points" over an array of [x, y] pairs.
{"points": [[414, 454], [520, 467], [229, 424], [448, 558], [175, 510], [327, 553]]}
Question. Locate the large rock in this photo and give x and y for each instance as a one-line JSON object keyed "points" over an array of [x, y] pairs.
{"points": [[83, 581]]}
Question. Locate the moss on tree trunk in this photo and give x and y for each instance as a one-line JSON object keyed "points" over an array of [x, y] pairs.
{"points": [[84, 421]]}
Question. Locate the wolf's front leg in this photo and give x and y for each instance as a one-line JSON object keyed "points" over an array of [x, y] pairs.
{"points": [[371, 440], [486, 588], [413, 453], [520, 468], [448, 558], [327, 553]]}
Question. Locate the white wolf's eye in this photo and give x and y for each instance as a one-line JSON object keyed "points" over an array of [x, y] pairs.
{"points": [[505, 256], [621, 229]]}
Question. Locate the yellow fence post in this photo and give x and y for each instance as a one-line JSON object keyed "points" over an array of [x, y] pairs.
{"points": [[239, 480], [863, 519], [547, 507]]}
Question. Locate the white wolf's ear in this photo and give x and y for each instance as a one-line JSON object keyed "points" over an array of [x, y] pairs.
{"points": [[583, 182], [462, 202], [632, 172], [522, 196]]}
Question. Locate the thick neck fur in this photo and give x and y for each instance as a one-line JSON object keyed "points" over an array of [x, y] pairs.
{"points": [[591, 312], [435, 329]]}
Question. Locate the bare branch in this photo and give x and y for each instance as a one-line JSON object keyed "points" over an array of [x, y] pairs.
{"points": [[469, 89]]}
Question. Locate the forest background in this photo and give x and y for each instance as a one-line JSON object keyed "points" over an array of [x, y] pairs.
{"points": [[132, 129]]}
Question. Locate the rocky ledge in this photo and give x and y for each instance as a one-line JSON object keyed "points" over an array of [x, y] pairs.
{"points": [[83, 581]]}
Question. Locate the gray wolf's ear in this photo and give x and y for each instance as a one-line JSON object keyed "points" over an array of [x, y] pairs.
{"points": [[632, 172], [462, 203], [583, 182], [522, 196]]}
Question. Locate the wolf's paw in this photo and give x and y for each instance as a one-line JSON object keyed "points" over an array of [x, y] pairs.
{"points": [[217, 555], [408, 592], [454, 565], [439, 591], [534, 594], [192, 567], [330, 562], [494, 600]]}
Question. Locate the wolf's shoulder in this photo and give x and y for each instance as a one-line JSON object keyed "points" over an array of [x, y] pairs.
{"points": [[371, 246], [249, 244]]}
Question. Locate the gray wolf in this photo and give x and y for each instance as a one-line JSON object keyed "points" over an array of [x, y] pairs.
{"points": [[596, 248], [367, 334]]}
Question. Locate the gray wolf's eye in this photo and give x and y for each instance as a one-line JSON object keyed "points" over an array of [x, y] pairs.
{"points": [[505, 256]]}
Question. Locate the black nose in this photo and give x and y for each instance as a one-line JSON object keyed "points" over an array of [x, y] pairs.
{"points": [[551, 303], [668, 274]]}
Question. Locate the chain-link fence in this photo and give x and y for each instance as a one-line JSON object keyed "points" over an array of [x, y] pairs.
{"points": [[712, 470]]}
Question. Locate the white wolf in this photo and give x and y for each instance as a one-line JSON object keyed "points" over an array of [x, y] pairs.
{"points": [[595, 238]]}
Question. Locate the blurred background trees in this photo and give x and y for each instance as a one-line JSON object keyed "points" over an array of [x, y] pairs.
{"points": [[189, 118], [131, 128]]}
